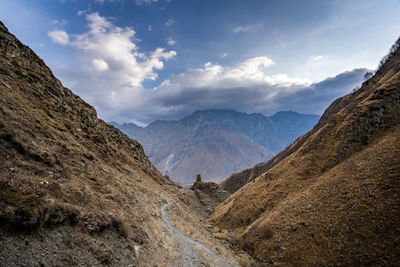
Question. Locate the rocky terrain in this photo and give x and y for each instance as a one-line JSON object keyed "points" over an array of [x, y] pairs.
{"points": [[216, 143], [332, 197], [209, 195], [77, 191]]}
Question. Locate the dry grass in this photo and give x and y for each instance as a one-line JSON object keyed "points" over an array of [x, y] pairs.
{"points": [[333, 197], [73, 189]]}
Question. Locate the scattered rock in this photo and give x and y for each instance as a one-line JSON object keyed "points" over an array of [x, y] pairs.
{"points": [[6, 85]]}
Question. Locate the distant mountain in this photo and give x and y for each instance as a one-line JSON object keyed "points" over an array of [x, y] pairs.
{"points": [[127, 128], [216, 143]]}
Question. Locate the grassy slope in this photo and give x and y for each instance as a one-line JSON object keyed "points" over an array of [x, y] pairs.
{"points": [[332, 196], [73, 189]]}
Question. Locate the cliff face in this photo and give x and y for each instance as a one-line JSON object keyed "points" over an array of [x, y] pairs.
{"points": [[73, 189], [332, 197]]}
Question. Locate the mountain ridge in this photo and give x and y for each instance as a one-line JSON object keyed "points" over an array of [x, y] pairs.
{"points": [[215, 143], [332, 196], [77, 191]]}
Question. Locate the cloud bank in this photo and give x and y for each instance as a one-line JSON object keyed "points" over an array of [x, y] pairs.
{"points": [[112, 70]]}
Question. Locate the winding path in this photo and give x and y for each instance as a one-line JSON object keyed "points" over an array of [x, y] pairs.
{"points": [[189, 247]]}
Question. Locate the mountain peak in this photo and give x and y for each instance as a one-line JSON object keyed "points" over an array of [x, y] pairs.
{"points": [[217, 142]]}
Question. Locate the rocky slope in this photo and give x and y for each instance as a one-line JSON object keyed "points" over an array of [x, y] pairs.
{"points": [[209, 195], [216, 143], [332, 197], [75, 190]]}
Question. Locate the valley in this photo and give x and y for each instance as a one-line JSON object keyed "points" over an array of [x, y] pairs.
{"points": [[77, 191], [212, 187]]}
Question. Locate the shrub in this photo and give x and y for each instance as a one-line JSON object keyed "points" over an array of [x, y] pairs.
{"points": [[15, 64], [30, 77], [364, 140], [392, 50]]}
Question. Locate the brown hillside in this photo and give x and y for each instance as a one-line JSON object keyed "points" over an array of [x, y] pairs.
{"points": [[238, 179], [332, 197], [75, 190]]}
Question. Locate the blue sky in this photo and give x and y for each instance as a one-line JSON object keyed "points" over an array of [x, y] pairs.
{"points": [[138, 60]]}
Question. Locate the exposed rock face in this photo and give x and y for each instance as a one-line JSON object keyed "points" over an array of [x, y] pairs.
{"points": [[216, 143], [209, 195], [73, 189], [332, 197]]}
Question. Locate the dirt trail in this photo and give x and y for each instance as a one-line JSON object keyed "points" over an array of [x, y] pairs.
{"points": [[192, 252]]}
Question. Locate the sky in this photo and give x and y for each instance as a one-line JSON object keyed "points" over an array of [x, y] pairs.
{"points": [[141, 60]]}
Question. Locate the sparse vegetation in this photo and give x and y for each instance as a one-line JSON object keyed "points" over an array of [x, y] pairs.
{"points": [[75, 199], [391, 52], [325, 191], [29, 76], [68, 126]]}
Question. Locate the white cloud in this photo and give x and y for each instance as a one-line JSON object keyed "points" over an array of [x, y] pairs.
{"points": [[245, 86], [138, 123], [59, 22], [171, 41], [58, 36], [316, 59], [140, 2], [100, 64], [120, 66], [248, 73], [169, 22], [116, 46], [112, 68], [224, 55], [81, 12], [247, 28]]}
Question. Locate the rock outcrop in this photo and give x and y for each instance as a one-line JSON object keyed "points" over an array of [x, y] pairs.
{"points": [[209, 195]]}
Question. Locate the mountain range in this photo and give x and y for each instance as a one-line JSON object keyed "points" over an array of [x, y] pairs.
{"points": [[215, 143], [76, 191]]}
